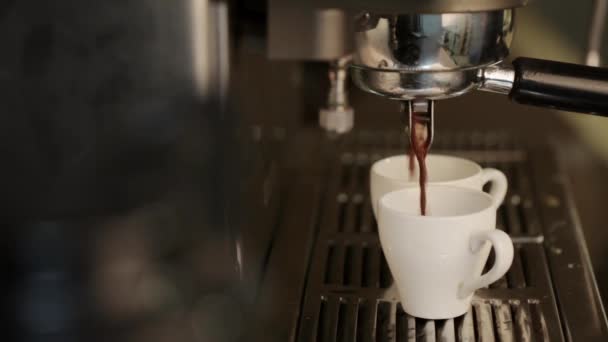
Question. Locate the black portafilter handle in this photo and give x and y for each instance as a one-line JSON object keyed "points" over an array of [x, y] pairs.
{"points": [[564, 86]]}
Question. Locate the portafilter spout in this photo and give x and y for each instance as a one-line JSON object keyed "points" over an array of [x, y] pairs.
{"points": [[420, 113]]}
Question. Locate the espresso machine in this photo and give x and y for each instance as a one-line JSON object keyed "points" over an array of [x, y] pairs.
{"points": [[422, 53], [165, 177]]}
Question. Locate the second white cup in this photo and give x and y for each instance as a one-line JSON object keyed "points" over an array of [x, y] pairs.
{"points": [[392, 173]]}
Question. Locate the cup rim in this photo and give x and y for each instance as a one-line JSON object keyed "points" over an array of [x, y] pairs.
{"points": [[376, 165], [489, 206]]}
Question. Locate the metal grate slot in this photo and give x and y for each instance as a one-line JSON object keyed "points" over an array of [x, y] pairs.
{"points": [[354, 214], [539, 325], [331, 251], [445, 331], [534, 259], [368, 222], [357, 265], [346, 322], [333, 312], [405, 326], [346, 174], [348, 225], [474, 323], [366, 316], [323, 325], [362, 171], [527, 206], [522, 322], [503, 323], [342, 206], [386, 278], [383, 322], [425, 331], [483, 321], [465, 327], [349, 271], [508, 168], [334, 273], [358, 213], [371, 266], [367, 266], [523, 256], [522, 217], [514, 224]]}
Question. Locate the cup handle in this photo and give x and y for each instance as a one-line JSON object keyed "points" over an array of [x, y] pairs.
{"points": [[503, 250], [499, 184]]}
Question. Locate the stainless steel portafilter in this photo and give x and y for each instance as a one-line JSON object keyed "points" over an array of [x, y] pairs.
{"points": [[426, 57]]}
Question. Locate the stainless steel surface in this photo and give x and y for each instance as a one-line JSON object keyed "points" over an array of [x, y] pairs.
{"points": [[397, 85], [584, 317], [208, 30], [497, 79], [548, 295], [338, 115], [433, 56], [596, 32], [300, 32], [220, 38], [338, 92], [337, 120], [415, 6]]}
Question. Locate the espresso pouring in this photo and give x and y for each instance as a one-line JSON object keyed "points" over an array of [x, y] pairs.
{"points": [[419, 149]]}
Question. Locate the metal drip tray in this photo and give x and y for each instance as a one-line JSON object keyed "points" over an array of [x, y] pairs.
{"points": [[357, 298], [549, 293], [493, 320]]}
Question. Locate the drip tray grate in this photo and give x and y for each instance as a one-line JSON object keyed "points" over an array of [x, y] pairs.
{"points": [[343, 318], [350, 294], [357, 297]]}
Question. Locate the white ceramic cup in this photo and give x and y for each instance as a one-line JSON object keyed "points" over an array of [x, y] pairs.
{"points": [[437, 260], [392, 173]]}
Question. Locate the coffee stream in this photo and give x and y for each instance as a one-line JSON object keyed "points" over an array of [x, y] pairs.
{"points": [[412, 158], [419, 150]]}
